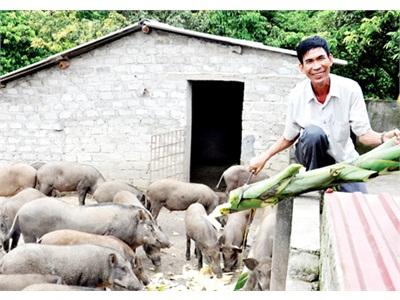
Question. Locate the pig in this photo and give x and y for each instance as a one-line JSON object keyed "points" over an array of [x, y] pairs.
{"points": [[17, 282], [199, 229], [68, 176], [237, 175], [107, 190], [259, 260], [128, 223], [73, 237], [127, 198], [222, 197], [16, 177], [59, 287], [177, 195], [232, 239], [83, 265], [8, 210]]}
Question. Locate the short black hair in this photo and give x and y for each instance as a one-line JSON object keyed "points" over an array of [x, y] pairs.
{"points": [[311, 43]]}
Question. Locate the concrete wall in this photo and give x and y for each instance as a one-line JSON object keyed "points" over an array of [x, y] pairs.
{"points": [[104, 109], [384, 115]]}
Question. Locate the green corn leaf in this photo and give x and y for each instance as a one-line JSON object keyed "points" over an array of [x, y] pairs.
{"points": [[312, 180], [380, 165], [386, 145], [351, 173], [391, 153], [241, 281], [290, 183], [248, 203], [254, 190]]}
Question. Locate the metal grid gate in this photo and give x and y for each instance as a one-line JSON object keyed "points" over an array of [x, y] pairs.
{"points": [[168, 155]]}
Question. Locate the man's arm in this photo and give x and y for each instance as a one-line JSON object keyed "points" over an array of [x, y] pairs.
{"points": [[257, 163], [373, 138]]}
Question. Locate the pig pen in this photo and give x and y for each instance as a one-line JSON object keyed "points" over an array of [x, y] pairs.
{"points": [[175, 273]]}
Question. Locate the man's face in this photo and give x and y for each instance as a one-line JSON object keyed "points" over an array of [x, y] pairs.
{"points": [[317, 65]]}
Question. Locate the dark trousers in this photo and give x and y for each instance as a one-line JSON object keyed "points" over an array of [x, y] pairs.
{"points": [[311, 152]]}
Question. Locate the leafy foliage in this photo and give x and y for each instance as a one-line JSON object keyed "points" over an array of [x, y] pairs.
{"points": [[368, 40], [29, 36]]}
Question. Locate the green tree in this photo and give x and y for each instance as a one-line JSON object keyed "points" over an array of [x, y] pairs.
{"points": [[29, 36], [368, 40], [16, 35]]}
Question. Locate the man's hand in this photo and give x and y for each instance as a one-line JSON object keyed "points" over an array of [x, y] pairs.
{"points": [[392, 133], [257, 163]]}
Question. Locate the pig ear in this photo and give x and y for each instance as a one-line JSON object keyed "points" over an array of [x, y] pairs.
{"points": [[112, 259], [250, 263]]}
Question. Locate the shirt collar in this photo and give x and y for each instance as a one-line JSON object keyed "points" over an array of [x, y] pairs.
{"points": [[333, 92]]}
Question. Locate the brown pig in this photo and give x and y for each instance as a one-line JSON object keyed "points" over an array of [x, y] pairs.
{"points": [[74, 237], [232, 239], [236, 176], [199, 229], [178, 195], [14, 178]]}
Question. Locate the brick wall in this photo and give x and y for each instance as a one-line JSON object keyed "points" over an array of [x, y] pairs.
{"points": [[105, 107]]}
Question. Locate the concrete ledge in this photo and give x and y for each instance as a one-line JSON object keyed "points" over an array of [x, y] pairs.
{"points": [[303, 265]]}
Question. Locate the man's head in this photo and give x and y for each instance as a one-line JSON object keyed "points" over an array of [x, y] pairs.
{"points": [[311, 43], [315, 60]]}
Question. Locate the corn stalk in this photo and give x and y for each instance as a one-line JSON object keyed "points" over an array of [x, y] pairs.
{"points": [[292, 181]]}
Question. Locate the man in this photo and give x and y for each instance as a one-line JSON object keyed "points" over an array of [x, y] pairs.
{"points": [[322, 110]]}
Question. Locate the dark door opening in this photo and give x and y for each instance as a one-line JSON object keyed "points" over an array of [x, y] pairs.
{"points": [[216, 129]]}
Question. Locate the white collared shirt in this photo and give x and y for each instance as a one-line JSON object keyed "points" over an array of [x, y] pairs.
{"points": [[343, 109]]}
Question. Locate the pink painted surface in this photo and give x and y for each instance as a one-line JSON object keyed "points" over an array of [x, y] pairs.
{"points": [[366, 230]]}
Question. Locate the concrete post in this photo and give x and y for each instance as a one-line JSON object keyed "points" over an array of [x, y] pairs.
{"points": [[280, 252]]}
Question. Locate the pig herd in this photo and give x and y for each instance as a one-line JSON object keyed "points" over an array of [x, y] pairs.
{"points": [[92, 247]]}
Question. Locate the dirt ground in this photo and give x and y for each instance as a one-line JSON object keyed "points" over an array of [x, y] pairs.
{"points": [[175, 273]]}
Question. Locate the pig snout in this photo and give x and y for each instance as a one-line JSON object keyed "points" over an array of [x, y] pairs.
{"points": [[230, 265], [131, 284], [138, 270], [230, 255], [162, 238], [214, 259], [153, 253], [122, 276], [127, 282], [216, 268], [155, 260]]}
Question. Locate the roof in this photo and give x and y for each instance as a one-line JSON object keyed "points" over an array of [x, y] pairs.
{"points": [[366, 230], [143, 25]]}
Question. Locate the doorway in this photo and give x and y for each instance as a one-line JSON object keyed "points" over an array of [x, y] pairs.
{"points": [[216, 129]]}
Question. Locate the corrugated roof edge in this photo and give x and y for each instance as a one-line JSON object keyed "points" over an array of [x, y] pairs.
{"points": [[86, 47]]}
